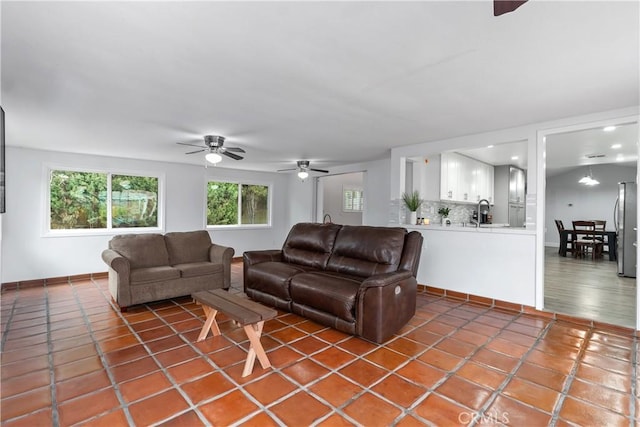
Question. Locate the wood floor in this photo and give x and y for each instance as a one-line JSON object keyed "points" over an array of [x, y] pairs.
{"points": [[588, 289]]}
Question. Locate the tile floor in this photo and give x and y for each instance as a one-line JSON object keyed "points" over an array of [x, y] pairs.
{"points": [[68, 358]]}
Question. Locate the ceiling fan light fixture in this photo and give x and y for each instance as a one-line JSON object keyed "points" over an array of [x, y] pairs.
{"points": [[303, 174], [213, 158]]}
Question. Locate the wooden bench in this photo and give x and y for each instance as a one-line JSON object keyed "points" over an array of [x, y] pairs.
{"points": [[249, 314]]}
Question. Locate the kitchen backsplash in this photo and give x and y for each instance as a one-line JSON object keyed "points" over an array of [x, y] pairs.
{"points": [[458, 212]]}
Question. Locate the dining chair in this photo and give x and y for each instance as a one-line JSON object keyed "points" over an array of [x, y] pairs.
{"points": [[585, 241], [569, 244]]}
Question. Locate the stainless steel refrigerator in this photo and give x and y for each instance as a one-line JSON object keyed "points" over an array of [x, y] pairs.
{"points": [[626, 225]]}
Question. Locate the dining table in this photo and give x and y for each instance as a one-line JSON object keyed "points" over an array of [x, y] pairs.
{"points": [[611, 241]]}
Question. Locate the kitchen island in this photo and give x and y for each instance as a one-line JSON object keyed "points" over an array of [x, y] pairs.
{"points": [[491, 262]]}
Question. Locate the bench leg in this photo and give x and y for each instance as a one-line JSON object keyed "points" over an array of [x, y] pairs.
{"points": [[255, 349], [210, 323]]}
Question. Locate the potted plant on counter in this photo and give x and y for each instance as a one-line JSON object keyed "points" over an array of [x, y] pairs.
{"points": [[413, 202], [444, 213]]}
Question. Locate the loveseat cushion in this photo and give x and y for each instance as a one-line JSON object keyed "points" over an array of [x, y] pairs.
{"points": [[142, 250], [188, 246], [329, 292], [194, 269], [273, 278], [366, 251], [310, 244], [154, 274]]}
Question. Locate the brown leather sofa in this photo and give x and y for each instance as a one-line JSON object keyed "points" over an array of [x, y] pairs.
{"points": [[151, 267], [357, 279]]}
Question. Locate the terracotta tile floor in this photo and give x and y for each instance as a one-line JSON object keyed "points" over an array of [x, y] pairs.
{"points": [[69, 358]]}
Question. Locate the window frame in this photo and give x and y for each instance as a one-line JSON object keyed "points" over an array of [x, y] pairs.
{"points": [[352, 188], [109, 230], [239, 226]]}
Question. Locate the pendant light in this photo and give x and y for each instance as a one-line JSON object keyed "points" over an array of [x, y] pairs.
{"points": [[589, 179]]}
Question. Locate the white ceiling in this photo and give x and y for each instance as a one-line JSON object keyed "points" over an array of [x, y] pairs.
{"points": [[332, 82], [568, 150]]}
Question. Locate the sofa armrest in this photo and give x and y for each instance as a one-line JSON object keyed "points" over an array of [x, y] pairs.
{"points": [[223, 255], [256, 257], [119, 277], [386, 279], [116, 262], [386, 302]]}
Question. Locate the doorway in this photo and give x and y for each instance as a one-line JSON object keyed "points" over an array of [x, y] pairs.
{"points": [[584, 287], [340, 198]]}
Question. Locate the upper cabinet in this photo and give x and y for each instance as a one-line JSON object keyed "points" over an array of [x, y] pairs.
{"points": [[466, 180]]}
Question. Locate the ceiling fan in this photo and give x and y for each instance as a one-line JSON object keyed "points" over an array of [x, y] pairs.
{"points": [[303, 169], [214, 144]]}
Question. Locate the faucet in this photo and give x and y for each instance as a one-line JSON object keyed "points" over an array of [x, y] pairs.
{"points": [[482, 201], [324, 218]]}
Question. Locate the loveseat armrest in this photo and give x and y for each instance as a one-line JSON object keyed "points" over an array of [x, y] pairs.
{"points": [[119, 277], [386, 302], [117, 262], [222, 255]]}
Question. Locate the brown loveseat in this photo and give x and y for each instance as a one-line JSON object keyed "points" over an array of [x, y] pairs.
{"points": [[151, 267], [357, 279]]}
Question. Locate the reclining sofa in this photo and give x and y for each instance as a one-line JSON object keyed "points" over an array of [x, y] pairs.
{"points": [[152, 267], [357, 279]]}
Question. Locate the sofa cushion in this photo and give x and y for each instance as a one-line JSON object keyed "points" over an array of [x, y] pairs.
{"points": [[194, 269], [188, 246], [273, 278], [154, 274], [310, 244], [142, 250], [366, 251], [328, 292]]}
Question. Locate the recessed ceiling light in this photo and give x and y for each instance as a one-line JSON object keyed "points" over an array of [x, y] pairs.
{"points": [[616, 146], [489, 146], [609, 128], [514, 158]]}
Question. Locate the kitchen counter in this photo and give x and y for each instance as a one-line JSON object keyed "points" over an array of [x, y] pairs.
{"points": [[492, 262], [485, 228]]}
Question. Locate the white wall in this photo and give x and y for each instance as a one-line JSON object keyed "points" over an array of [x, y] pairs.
{"points": [[27, 254], [567, 200], [376, 183], [332, 197]]}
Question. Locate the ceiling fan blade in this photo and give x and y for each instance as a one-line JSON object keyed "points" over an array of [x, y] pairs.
{"points": [[318, 170], [500, 7], [197, 151], [235, 149], [287, 170], [228, 154], [192, 145]]}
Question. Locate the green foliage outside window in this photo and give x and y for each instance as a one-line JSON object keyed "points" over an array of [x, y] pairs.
{"points": [[255, 204], [222, 203], [225, 198], [78, 200], [134, 201]]}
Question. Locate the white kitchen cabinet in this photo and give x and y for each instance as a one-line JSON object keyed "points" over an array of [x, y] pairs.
{"points": [[449, 171], [465, 180]]}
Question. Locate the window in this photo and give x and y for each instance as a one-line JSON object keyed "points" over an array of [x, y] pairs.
{"points": [[231, 203], [101, 201], [352, 199]]}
